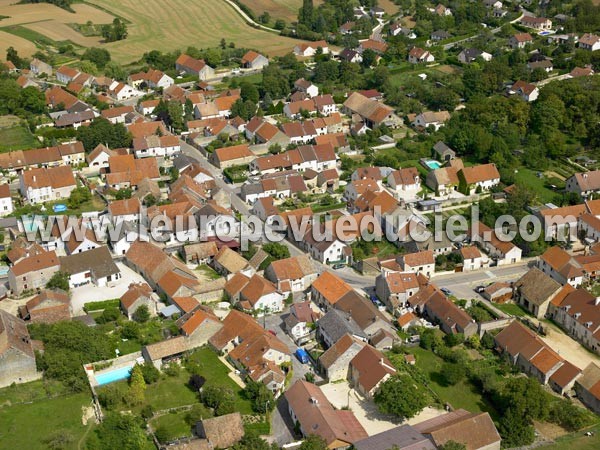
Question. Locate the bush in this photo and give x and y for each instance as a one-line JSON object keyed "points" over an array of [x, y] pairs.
{"points": [[453, 372], [150, 373], [111, 396], [454, 339], [147, 412], [196, 382], [220, 399]]}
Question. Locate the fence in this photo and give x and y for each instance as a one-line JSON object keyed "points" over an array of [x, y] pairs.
{"points": [[494, 325]]}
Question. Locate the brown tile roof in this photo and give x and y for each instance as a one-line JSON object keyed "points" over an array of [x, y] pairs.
{"points": [[474, 430], [35, 263], [55, 177], [142, 129], [470, 252], [192, 63], [523, 37], [236, 324], [342, 345], [198, 317], [233, 262], [419, 258], [125, 207], [317, 416], [565, 374], [331, 287], [232, 153], [372, 367], [49, 306], [236, 283], [257, 288], [168, 347], [135, 291], [545, 360], [292, 268], [14, 335], [57, 95], [482, 172]]}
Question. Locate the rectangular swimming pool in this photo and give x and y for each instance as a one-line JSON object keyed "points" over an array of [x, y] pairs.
{"points": [[114, 375], [432, 164]]}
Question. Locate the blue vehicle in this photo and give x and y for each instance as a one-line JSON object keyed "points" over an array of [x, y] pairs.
{"points": [[302, 355]]}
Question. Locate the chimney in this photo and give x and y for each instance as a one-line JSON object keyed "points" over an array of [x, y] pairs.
{"points": [[34, 178], [314, 401], [597, 301]]}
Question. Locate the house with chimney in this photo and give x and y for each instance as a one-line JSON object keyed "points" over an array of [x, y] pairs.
{"points": [[368, 370], [313, 413], [47, 184]]}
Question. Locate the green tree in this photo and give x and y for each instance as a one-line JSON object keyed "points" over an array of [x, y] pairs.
{"points": [[60, 280], [277, 250], [13, 56], [101, 131], [98, 56], [516, 431], [252, 441], [220, 399], [401, 396], [313, 442], [137, 386], [248, 91], [79, 196], [123, 194], [452, 445], [261, 396], [142, 314], [119, 431]]}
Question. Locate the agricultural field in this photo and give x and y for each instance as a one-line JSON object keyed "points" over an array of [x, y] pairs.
{"points": [[165, 26], [278, 9], [47, 20], [176, 24], [15, 136]]}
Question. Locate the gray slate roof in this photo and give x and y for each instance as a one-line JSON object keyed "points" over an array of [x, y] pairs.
{"points": [[336, 323]]}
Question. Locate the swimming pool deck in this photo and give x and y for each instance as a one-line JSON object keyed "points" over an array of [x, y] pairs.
{"points": [[115, 364]]}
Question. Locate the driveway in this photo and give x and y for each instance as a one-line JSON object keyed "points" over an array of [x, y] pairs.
{"points": [[341, 395], [90, 293], [567, 347]]}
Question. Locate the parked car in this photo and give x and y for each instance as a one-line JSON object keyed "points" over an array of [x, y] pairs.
{"points": [[302, 355], [446, 291], [273, 332], [479, 289], [338, 266]]}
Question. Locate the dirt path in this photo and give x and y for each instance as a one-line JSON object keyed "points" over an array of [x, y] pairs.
{"points": [[568, 348]]}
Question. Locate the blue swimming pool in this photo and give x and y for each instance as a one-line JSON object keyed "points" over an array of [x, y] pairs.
{"points": [[432, 164], [114, 375]]}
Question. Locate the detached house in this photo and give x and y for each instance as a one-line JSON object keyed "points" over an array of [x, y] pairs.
{"points": [[194, 66], [231, 156], [310, 409], [405, 182], [589, 42], [527, 91], [538, 23], [585, 184], [417, 56], [478, 178], [368, 370], [137, 295], [503, 252], [431, 119], [310, 48], [93, 266], [254, 60], [520, 40], [535, 290], [450, 317]]}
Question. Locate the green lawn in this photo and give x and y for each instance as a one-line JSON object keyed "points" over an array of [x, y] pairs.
{"points": [[171, 392], [512, 309], [529, 179], [461, 395], [27, 426], [174, 424], [17, 138], [208, 272], [577, 441], [216, 373]]}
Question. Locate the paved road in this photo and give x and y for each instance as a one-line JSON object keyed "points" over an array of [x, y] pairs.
{"points": [[462, 284]]}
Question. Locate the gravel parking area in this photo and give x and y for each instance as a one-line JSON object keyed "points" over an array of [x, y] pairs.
{"points": [[568, 348], [341, 395], [90, 293]]}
